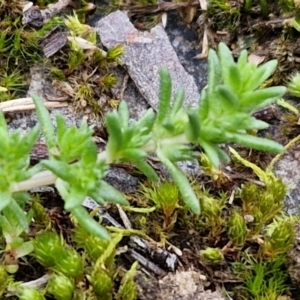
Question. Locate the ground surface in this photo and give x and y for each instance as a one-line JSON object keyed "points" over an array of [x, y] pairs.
{"points": [[177, 272]]}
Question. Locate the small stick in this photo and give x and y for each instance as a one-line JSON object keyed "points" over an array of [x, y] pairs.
{"points": [[24, 104], [147, 263], [124, 217]]}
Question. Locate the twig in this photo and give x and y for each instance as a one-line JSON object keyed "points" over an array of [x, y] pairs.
{"points": [[43, 178], [146, 263], [124, 217], [123, 87], [24, 104]]}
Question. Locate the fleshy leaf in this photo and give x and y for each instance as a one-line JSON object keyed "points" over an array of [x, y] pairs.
{"points": [[165, 92], [89, 224]]}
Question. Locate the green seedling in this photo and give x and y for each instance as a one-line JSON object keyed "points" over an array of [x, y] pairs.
{"points": [[237, 229], [288, 6], [25, 45], [223, 14], [42, 219], [102, 283], [76, 56], [262, 279], [280, 236], [128, 290], [212, 255], [25, 293], [61, 287], [80, 30], [13, 232], [102, 274], [68, 268], [263, 203], [58, 74], [12, 84], [14, 165], [268, 200], [211, 218], [51, 251], [93, 245], [19, 49], [5, 280], [165, 195], [294, 84]]}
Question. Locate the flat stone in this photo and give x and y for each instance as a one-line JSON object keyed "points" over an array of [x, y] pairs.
{"points": [[288, 169], [145, 53]]}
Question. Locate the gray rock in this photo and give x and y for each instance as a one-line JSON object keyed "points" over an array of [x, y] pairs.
{"points": [[293, 262], [145, 53], [187, 44], [39, 86], [288, 169], [121, 180]]}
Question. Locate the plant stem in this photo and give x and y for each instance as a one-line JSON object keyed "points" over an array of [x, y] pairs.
{"points": [[175, 140], [38, 180], [48, 178]]}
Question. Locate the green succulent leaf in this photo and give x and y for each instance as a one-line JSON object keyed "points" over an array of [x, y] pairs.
{"points": [[123, 114], [89, 224], [204, 107], [178, 152], [257, 143], [44, 118], [59, 168], [115, 140], [89, 155], [146, 122], [211, 152], [260, 75], [214, 71], [137, 156], [74, 198], [61, 126], [6, 198], [18, 214], [73, 141], [228, 102], [110, 194], [230, 71], [193, 126], [257, 124], [254, 100], [165, 94], [178, 102], [242, 60]]}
